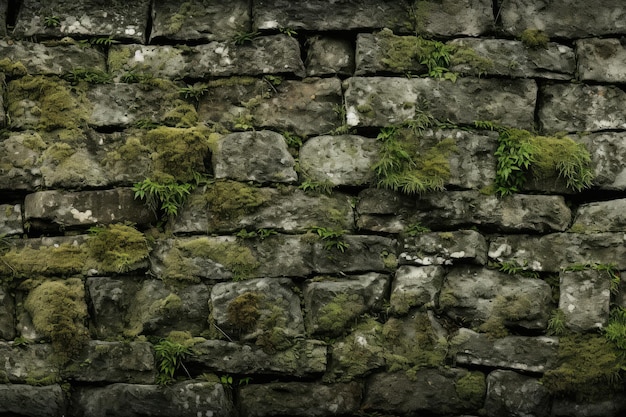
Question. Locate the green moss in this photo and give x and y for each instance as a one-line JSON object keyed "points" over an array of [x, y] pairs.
{"points": [[61, 260], [234, 256], [177, 20], [118, 58], [243, 312], [12, 69], [182, 115], [178, 153], [131, 151], [117, 247], [590, 368], [336, 315], [418, 13], [412, 344], [390, 260], [58, 152], [58, 310], [465, 56], [472, 388], [534, 38], [229, 200], [60, 105]]}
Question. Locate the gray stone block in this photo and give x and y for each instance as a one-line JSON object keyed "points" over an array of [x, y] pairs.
{"points": [[601, 216], [601, 60], [11, 219], [515, 395], [384, 101], [329, 56], [199, 20], [585, 298], [444, 248], [32, 364], [608, 158], [30, 401], [415, 287]]}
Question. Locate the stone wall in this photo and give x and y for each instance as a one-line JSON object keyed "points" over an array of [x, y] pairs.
{"points": [[279, 208]]}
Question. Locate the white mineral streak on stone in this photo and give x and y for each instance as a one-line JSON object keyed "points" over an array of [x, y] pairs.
{"points": [[361, 341], [460, 254], [129, 31], [504, 248], [82, 216], [138, 56], [352, 118]]}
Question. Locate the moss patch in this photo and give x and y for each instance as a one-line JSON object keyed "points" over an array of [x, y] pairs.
{"points": [[336, 315], [117, 247], [12, 69], [58, 310], [243, 312], [472, 388], [229, 200], [57, 104], [590, 368], [534, 38], [61, 260]]}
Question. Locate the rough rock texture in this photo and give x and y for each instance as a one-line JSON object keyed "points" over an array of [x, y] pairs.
{"points": [[600, 60], [564, 18], [30, 401], [581, 107], [230, 157], [416, 287], [526, 354], [339, 160], [189, 398], [383, 210], [585, 298], [445, 248], [300, 399], [516, 395], [28, 364], [329, 56], [383, 101], [7, 315], [198, 20], [601, 216], [11, 219]]}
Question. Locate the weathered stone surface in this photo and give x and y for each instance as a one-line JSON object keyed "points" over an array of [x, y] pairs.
{"points": [[131, 307], [131, 362], [278, 54], [304, 107], [120, 104], [299, 399], [11, 219], [585, 298], [436, 391], [265, 310], [601, 60], [30, 401], [415, 287], [7, 315], [340, 160], [184, 399], [564, 407], [230, 207], [445, 248], [514, 59], [387, 101], [19, 154], [608, 158], [272, 162], [553, 252], [57, 18], [58, 209], [581, 107], [328, 56], [384, 210], [601, 216], [332, 304], [564, 18], [526, 354], [492, 300], [304, 358], [3, 15], [199, 20], [30, 364], [515, 395], [319, 15], [3, 116], [60, 58], [362, 254]]}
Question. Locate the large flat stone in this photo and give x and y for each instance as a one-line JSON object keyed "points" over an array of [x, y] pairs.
{"points": [[340, 160], [601, 216], [272, 163], [19, 160], [91, 18], [54, 209], [230, 207], [386, 211], [564, 18], [445, 248], [28, 364], [431, 391], [585, 298], [601, 60], [520, 353], [513, 59], [184, 399], [384, 101], [305, 358], [414, 287], [305, 107], [492, 301], [553, 252], [56, 59], [516, 395], [277, 54], [30, 401], [581, 107], [199, 20], [300, 399], [328, 55]]}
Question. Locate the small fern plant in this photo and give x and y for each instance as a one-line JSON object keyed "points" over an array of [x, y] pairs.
{"points": [[169, 356]]}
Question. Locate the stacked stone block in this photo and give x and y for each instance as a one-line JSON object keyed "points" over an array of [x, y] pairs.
{"points": [[291, 281]]}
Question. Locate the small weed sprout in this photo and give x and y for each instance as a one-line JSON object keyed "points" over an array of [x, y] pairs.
{"points": [[194, 92], [88, 75], [556, 323], [615, 331], [320, 187], [416, 229], [331, 238], [245, 37], [288, 31], [51, 21], [167, 197]]}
